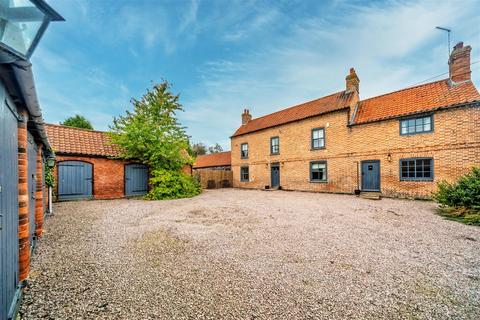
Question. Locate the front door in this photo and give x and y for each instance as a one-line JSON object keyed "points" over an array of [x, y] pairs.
{"points": [[371, 175], [275, 175]]}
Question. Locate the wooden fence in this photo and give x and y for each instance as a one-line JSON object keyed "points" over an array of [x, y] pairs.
{"points": [[214, 179]]}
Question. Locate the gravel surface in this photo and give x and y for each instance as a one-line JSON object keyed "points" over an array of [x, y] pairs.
{"points": [[243, 254]]}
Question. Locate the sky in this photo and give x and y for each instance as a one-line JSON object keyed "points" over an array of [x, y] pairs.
{"points": [[222, 56]]}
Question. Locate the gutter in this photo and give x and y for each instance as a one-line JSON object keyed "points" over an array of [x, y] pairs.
{"points": [[23, 90]]}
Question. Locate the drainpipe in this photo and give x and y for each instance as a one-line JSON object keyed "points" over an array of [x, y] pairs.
{"points": [[50, 207]]}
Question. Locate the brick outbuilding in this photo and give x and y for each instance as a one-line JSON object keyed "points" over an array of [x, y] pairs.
{"points": [[87, 166]]}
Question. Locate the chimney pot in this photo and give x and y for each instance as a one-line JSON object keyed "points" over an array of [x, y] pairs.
{"points": [[458, 45], [246, 116], [352, 81]]}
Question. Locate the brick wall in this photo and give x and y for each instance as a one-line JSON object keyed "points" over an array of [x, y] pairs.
{"points": [[39, 202], [23, 199], [454, 145], [108, 175]]}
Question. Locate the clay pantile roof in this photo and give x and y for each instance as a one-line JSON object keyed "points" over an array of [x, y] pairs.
{"points": [[220, 159], [333, 102], [68, 140], [423, 98]]}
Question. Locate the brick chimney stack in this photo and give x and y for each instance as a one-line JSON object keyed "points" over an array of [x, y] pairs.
{"points": [[459, 63], [353, 82], [246, 116]]}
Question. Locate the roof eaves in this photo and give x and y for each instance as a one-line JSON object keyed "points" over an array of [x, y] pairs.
{"points": [[288, 122], [79, 154]]}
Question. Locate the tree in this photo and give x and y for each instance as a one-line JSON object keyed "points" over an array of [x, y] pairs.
{"points": [[152, 135], [77, 121], [198, 149], [215, 149]]}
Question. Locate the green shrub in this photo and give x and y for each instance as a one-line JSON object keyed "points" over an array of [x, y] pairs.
{"points": [[49, 177], [461, 200], [168, 184], [463, 193]]}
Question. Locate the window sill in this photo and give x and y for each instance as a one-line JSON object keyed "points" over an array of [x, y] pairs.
{"points": [[416, 180], [274, 154], [415, 133], [318, 181], [315, 149]]}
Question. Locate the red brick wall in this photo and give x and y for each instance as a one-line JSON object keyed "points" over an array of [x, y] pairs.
{"points": [[39, 209], [108, 175], [23, 199]]}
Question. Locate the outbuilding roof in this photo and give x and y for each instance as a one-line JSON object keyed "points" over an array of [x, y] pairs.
{"points": [[422, 98], [76, 141], [220, 159]]}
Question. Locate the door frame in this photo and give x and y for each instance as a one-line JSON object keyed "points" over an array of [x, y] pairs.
{"points": [[274, 165], [379, 175]]}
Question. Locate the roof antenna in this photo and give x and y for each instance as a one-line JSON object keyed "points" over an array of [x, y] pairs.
{"points": [[448, 34]]}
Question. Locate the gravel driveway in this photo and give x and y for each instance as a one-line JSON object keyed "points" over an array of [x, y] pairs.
{"points": [[238, 254]]}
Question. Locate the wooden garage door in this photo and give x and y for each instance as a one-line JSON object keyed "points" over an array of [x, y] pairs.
{"points": [[136, 179], [75, 180], [8, 208]]}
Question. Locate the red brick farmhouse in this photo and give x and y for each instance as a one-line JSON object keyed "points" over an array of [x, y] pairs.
{"points": [[88, 166], [397, 144]]}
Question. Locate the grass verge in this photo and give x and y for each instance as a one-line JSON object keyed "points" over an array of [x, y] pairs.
{"points": [[460, 214]]}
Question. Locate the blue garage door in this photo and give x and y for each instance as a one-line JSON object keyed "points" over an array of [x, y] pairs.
{"points": [[32, 185], [8, 209], [136, 179], [74, 180]]}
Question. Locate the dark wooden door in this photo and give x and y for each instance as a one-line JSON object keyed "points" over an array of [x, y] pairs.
{"points": [[371, 175], [275, 176]]}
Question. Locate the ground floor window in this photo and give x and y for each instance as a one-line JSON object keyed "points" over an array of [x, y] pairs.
{"points": [[244, 174], [318, 171], [416, 169]]}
